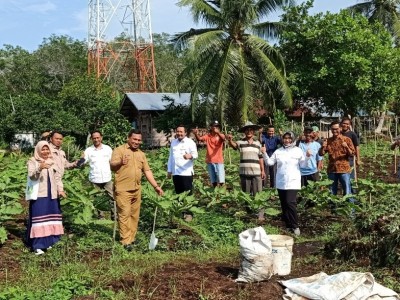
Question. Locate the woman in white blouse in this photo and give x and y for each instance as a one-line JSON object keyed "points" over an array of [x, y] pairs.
{"points": [[288, 159]]}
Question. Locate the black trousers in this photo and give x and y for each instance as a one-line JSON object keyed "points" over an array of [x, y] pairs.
{"points": [[270, 171], [312, 177], [183, 183], [289, 210]]}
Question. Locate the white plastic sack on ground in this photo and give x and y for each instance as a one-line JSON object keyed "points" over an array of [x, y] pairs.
{"points": [[256, 256], [345, 285]]}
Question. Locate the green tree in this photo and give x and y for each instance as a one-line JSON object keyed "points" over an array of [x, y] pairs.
{"points": [[169, 63], [60, 58], [45, 71], [19, 71], [385, 12], [173, 115], [91, 102], [345, 63], [236, 65], [49, 89]]}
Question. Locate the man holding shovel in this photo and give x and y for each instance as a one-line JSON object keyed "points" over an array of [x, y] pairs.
{"points": [[129, 162]]}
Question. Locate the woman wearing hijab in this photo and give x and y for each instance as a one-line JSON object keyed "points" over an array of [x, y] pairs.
{"points": [[45, 220], [288, 158]]}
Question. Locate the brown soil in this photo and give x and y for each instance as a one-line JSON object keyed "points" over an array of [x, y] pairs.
{"points": [[9, 264], [213, 280], [380, 168], [184, 279]]}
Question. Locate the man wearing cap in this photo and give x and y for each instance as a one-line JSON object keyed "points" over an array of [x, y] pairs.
{"points": [[251, 167], [310, 172], [271, 142], [214, 141], [315, 135]]}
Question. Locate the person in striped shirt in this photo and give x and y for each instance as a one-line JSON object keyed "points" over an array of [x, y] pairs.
{"points": [[251, 167]]}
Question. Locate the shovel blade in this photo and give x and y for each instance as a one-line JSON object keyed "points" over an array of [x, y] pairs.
{"points": [[153, 241]]}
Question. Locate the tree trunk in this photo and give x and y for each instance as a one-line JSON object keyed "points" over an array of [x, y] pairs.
{"points": [[381, 121]]}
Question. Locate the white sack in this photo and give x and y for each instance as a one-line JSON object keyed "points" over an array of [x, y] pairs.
{"points": [[256, 256], [345, 285]]}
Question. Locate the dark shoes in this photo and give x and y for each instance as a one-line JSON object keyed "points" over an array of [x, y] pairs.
{"points": [[130, 247]]}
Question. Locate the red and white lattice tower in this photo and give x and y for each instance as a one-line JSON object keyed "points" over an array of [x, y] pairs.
{"points": [[120, 44]]}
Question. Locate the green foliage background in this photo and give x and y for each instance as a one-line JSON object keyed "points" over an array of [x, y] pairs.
{"points": [[339, 62]]}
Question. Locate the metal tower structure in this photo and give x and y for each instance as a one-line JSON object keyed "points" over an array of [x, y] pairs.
{"points": [[120, 44]]}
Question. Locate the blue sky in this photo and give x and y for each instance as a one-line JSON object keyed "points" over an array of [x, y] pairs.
{"points": [[26, 22]]}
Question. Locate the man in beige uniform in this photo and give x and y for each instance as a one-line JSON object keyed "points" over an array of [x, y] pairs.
{"points": [[128, 162], [58, 155]]}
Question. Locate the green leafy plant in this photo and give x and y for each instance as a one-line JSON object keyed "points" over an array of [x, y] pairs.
{"points": [[12, 184], [172, 205]]}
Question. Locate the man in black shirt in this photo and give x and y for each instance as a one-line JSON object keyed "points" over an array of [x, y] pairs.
{"points": [[345, 125]]}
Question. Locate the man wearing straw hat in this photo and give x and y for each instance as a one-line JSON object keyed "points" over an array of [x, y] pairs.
{"points": [[251, 167], [214, 141]]}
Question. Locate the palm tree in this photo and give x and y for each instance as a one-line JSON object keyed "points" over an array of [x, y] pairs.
{"points": [[385, 12], [230, 60]]}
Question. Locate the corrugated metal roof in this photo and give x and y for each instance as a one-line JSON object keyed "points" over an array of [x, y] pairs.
{"points": [[154, 101]]}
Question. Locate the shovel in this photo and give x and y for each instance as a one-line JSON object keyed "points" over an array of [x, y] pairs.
{"points": [[153, 240]]}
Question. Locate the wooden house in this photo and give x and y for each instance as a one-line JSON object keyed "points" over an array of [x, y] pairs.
{"points": [[141, 109]]}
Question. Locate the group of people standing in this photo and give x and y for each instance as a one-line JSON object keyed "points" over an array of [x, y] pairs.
{"points": [[290, 164], [45, 186]]}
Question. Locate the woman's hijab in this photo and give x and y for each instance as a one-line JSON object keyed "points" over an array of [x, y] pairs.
{"points": [[292, 136], [37, 153]]}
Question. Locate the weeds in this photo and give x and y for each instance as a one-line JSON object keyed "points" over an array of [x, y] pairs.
{"points": [[87, 262]]}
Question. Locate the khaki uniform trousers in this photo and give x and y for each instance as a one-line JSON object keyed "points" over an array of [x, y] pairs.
{"points": [[128, 209]]}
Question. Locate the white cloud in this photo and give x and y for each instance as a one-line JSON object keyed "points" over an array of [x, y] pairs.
{"points": [[81, 18], [79, 25], [40, 7], [36, 6]]}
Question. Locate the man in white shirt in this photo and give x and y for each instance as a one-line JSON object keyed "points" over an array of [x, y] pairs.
{"points": [[98, 156], [180, 164]]}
